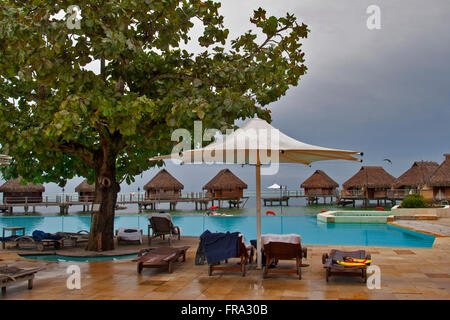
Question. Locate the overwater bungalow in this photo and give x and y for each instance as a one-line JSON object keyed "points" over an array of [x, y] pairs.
{"points": [[319, 185], [15, 192], [413, 180], [369, 183], [86, 191], [439, 181], [163, 186], [225, 186]]}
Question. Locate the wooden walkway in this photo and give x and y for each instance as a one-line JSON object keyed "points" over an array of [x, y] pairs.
{"points": [[199, 199]]}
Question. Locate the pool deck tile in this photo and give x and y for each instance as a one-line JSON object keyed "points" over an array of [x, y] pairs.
{"points": [[412, 273]]}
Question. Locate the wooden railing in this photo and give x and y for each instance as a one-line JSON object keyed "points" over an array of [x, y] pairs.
{"points": [[400, 193]]}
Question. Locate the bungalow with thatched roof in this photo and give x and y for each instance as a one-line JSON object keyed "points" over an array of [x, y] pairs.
{"points": [[86, 191], [163, 186], [369, 183], [319, 185], [413, 180], [15, 192], [225, 186], [440, 180]]}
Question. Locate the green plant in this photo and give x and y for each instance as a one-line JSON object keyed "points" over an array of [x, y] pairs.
{"points": [[60, 119], [415, 201]]}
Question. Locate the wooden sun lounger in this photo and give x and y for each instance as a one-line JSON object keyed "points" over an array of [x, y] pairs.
{"points": [[245, 253], [160, 257], [12, 275], [74, 238], [26, 242], [337, 269], [161, 227], [275, 251]]}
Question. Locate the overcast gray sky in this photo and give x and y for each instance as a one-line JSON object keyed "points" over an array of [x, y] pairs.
{"points": [[384, 92]]}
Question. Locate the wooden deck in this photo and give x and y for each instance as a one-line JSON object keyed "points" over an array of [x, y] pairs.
{"points": [[199, 199]]}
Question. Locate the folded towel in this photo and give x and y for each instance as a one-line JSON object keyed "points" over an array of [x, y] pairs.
{"points": [[219, 246], [39, 235], [160, 215], [129, 234], [287, 238]]}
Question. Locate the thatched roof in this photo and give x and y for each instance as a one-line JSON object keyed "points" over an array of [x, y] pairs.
{"points": [[163, 181], [225, 180], [417, 175], [319, 180], [370, 177], [441, 176], [85, 187], [13, 185]]}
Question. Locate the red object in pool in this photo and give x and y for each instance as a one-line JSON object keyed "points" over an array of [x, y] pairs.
{"points": [[324, 210], [270, 212], [213, 207], [379, 208]]}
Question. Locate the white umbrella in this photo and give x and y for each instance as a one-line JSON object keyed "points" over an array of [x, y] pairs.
{"points": [[274, 186], [258, 143]]}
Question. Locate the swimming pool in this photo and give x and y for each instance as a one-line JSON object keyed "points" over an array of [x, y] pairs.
{"points": [[311, 230]]}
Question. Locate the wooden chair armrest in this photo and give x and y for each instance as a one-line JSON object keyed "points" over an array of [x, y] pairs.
{"points": [[178, 229], [324, 258], [25, 238], [304, 252]]}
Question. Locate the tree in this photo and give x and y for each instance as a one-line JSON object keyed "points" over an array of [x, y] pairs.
{"points": [[59, 119]]}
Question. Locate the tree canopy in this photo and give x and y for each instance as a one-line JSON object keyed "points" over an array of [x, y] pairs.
{"points": [[59, 118], [56, 113]]}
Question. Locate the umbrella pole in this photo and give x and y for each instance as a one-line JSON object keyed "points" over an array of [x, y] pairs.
{"points": [[258, 216]]}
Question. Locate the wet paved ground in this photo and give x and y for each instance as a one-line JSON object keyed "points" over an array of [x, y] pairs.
{"points": [[406, 273]]}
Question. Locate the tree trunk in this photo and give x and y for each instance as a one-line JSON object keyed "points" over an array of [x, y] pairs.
{"points": [[101, 237]]}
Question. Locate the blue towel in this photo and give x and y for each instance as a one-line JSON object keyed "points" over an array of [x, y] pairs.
{"points": [[219, 246], [39, 235]]}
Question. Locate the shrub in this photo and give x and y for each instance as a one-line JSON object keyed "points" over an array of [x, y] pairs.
{"points": [[414, 201]]}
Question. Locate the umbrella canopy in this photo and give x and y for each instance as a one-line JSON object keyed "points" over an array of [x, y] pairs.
{"points": [[274, 186], [259, 143]]}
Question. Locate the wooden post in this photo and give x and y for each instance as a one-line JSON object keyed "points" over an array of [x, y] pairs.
{"points": [[258, 214]]}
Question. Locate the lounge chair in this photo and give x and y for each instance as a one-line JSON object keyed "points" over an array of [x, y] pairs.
{"points": [[283, 247], [12, 275], [161, 226], [160, 257], [223, 246], [333, 268], [39, 240], [129, 235], [74, 238]]}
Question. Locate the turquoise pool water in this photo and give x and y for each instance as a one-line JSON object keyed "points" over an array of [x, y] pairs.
{"points": [[311, 230], [57, 257]]}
